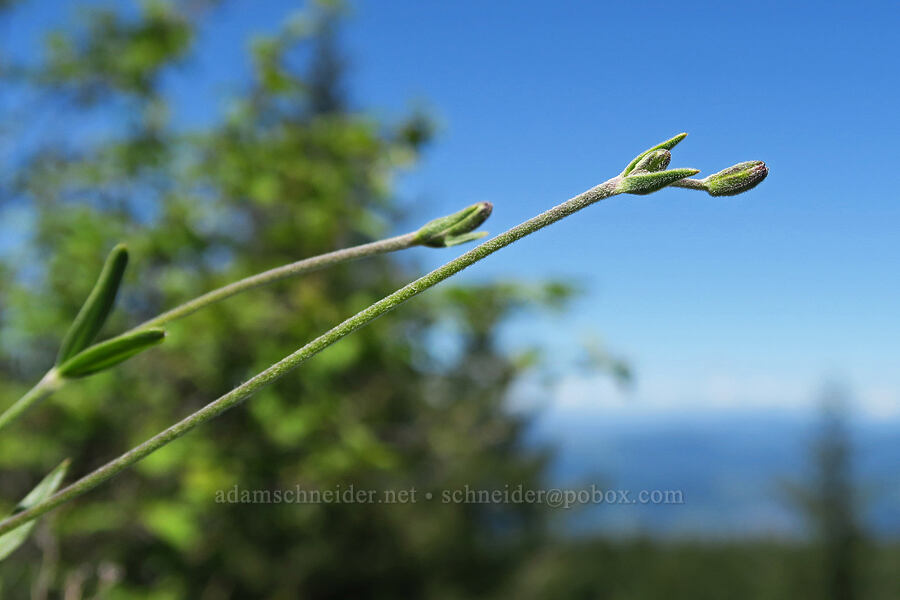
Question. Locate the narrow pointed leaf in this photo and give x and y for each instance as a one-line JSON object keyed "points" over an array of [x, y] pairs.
{"points": [[13, 539], [96, 308], [647, 183], [110, 353], [666, 145], [455, 240]]}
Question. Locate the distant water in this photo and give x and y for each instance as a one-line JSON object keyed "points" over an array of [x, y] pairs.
{"points": [[734, 472]]}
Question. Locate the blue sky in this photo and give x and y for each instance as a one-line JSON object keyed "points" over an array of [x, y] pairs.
{"points": [[723, 302], [720, 303]]}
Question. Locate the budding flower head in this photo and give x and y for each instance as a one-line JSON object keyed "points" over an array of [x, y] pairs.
{"points": [[457, 228], [656, 160], [666, 145], [737, 179]]}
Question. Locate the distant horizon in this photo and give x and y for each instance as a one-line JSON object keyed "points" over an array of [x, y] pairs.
{"points": [[730, 470], [598, 396]]}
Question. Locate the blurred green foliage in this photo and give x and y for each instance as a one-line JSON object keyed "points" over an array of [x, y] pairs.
{"points": [[290, 171]]}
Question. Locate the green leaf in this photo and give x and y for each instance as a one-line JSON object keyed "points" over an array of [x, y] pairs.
{"points": [[666, 145], [456, 240], [110, 353], [13, 539], [647, 183], [96, 308]]}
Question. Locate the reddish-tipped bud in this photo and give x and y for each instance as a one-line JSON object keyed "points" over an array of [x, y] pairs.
{"points": [[737, 179]]}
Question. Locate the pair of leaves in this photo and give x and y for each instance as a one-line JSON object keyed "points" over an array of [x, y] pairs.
{"points": [[645, 174], [77, 357], [97, 307], [11, 540]]}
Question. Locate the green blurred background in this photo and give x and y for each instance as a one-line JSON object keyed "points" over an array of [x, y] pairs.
{"points": [[290, 170]]}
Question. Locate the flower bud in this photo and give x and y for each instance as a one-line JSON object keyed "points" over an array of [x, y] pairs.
{"points": [[456, 228], [666, 145], [647, 183], [656, 160], [737, 179]]}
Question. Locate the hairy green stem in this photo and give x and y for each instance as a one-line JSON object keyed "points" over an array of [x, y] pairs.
{"points": [[240, 393], [43, 388], [691, 184], [51, 382], [306, 265]]}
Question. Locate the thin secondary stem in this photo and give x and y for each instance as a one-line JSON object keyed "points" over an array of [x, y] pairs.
{"points": [[691, 184], [43, 388], [51, 382], [240, 393], [306, 265]]}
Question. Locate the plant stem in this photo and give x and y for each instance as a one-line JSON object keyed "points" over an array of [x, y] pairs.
{"points": [[240, 393], [306, 265], [691, 184], [49, 383]]}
